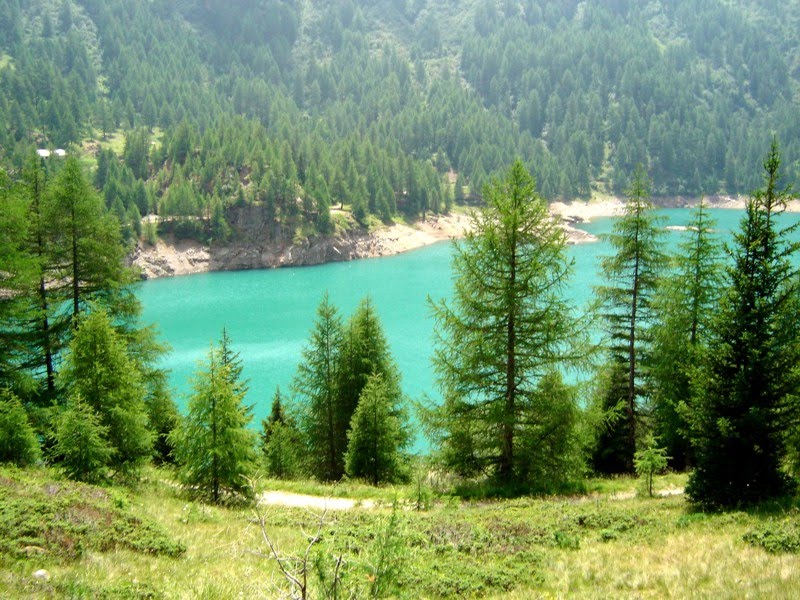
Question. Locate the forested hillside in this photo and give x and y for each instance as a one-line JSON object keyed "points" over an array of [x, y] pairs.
{"points": [[298, 105]]}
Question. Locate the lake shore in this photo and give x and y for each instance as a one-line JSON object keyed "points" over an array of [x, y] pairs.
{"points": [[185, 257], [580, 211], [170, 257]]}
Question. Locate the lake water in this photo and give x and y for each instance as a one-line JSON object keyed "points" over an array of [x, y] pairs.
{"points": [[269, 313]]}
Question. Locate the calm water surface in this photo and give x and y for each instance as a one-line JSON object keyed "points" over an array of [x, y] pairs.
{"points": [[269, 313]]}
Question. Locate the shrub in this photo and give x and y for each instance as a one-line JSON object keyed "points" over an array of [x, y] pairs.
{"points": [[18, 442]]}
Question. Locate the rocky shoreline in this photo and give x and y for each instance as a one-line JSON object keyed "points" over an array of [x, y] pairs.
{"points": [[171, 257], [184, 257]]}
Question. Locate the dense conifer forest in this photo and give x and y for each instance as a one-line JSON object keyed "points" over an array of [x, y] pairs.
{"points": [[395, 107]]}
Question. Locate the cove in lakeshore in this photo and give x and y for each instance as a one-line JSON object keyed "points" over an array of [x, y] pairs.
{"points": [[269, 313]]}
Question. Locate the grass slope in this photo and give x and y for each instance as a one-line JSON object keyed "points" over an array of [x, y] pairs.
{"points": [[605, 544]]}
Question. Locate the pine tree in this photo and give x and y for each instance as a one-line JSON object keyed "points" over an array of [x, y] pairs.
{"points": [[99, 370], [378, 435], [365, 352], [280, 442], [324, 427], [509, 326], [18, 442], [80, 445], [746, 396], [632, 274], [214, 448], [685, 304]]}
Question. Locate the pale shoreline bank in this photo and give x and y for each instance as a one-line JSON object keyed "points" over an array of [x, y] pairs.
{"points": [[187, 257]]}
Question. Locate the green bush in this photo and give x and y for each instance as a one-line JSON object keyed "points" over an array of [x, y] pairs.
{"points": [[65, 519], [776, 537], [18, 443]]}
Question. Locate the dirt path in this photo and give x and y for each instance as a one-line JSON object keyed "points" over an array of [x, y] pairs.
{"points": [[292, 500], [278, 498]]}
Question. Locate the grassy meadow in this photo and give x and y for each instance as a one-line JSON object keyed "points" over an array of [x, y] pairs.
{"points": [[153, 542]]}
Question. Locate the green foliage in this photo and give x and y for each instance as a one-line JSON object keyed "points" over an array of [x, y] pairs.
{"points": [[87, 259], [214, 449], [150, 231], [746, 392], [586, 92], [365, 352], [649, 461], [378, 434], [80, 441], [68, 520], [18, 441], [323, 424], [685, 304], [100, 372], [499, 345], [776, 537], [281, 443], [631, 275], [17, 275], [345, 566], [331, 377]]}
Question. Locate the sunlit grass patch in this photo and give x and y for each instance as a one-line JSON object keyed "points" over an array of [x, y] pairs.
{"points": [[608, 543]]}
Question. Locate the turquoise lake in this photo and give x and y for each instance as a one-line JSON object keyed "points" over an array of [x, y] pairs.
{"points": [[269, 313]]}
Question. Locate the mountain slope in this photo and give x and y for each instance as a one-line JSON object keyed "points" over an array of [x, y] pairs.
{"points": [[370, 102]]}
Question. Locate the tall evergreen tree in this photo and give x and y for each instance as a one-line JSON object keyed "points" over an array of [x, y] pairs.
{"points": [[378, 434], [18, 442], [17, 280], [233, 363], [508, 328], [280, 442], [365, 352], [685, 305], [88, 252], [214, 448], [316, 385], [51, 326], [81, 445], [746, 398], [147, 352], [632, 274], [99, 371]]}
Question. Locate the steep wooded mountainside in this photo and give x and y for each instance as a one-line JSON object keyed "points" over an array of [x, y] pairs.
{"points": [[302, 104]]}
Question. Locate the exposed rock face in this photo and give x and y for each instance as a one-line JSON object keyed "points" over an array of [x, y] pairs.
{"points": [[262, 248], [168, 258]]}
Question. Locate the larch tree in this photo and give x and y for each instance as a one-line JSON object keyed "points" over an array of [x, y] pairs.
{"points": [[88, 255], [745, 406], [17, 279], [213, 446], [49, 336], [233, 362], [632, 274], [507, 331], [146, 352], [685, 305]]}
